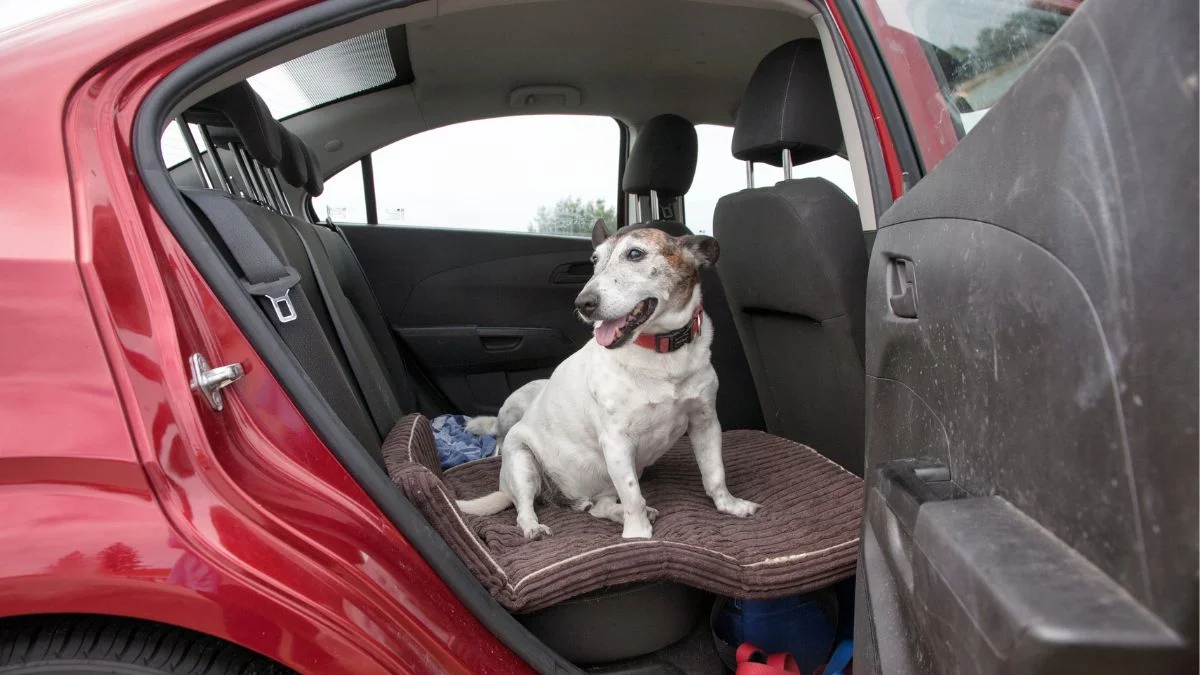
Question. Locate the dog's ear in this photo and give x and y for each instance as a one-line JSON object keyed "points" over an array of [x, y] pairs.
{"points": [[705, 249], [599, 233]]}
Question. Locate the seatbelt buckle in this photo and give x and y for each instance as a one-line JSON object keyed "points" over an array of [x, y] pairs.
{"points": [[285, 311], [278, 293]]}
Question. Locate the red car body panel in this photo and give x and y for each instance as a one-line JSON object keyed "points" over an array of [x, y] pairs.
{"points": [[121, 492]]}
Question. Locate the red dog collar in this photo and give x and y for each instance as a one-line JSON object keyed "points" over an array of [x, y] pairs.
{"points": [[664, 343]]}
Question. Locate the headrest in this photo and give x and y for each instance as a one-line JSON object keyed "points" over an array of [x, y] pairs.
{"points": [[242, 108], [294, 166], [788, 105], [663, 158], [315, 184]]}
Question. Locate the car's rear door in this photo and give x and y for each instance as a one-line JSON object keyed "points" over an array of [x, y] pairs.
{"points": [[477, 244], [1032, 343]]}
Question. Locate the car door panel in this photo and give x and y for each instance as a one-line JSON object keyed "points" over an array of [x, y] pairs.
{"points": [[1049, 376], [480, 312], [987, 350]]}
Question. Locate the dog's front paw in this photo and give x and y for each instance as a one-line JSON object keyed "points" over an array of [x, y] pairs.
{"points": [[636, 528], [736, 507], [535, 532]]}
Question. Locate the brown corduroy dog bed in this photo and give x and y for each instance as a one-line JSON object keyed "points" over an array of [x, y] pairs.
{"points": [[804, 537]]}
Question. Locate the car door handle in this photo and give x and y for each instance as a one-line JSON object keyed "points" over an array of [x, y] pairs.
{"points": [[902, 287], [992, 591], [572, 273], [500, 342]]}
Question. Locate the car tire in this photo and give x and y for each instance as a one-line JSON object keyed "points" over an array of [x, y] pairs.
{"points": [[78, 645]]}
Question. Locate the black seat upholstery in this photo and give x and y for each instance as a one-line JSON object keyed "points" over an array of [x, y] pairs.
{"points": [[300, 245], [793, 261], [354, 284], [663, 160]]}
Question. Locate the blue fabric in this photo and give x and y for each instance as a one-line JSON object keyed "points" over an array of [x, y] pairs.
{"points": [[456, 445]]}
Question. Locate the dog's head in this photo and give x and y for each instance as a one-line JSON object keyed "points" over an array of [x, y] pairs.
{"points": [[644, 281]]}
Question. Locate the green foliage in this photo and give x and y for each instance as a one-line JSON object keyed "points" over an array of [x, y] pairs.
{"points": [[572, 216], [1022, 34]]}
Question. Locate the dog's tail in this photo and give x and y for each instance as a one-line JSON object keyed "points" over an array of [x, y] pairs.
{"points": [[486, 505], [483, 426]]}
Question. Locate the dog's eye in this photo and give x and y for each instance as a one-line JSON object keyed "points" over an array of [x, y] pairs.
{"points": [[635, 254]]}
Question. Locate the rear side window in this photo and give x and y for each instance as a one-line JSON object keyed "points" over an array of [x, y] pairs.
{"points": [[544, 174], [345, 198], [952, 60]]}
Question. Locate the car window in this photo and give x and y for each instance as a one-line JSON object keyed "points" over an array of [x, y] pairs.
{"points": [[719, 174], [547, 174], [952, 60], [344, 199]]}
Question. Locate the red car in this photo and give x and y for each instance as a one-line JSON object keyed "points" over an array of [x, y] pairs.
{"points": [[974, 287]]}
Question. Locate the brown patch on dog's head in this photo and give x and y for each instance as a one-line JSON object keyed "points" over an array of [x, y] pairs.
{"points": [[685, 256], [639, 264]]}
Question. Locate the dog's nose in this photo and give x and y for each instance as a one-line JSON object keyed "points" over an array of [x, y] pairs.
{"points": [[586, 303]]}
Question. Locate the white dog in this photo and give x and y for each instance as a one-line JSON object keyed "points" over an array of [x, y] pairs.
{"points": [[614, 407]]}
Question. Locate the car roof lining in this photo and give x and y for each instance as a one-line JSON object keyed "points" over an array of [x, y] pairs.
{"points": [[700, 54], [429, 10], [626, 68]]}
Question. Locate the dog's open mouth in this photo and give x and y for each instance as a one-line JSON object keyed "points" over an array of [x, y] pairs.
{"points": [[616, 332]]}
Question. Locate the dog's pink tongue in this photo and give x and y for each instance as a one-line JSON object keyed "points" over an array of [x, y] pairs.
{"points": [[606, 332]]}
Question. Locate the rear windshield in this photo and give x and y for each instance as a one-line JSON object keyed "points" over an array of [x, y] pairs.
{"points": [[952, 60]]}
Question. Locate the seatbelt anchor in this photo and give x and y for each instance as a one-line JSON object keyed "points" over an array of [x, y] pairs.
{"points": [[279, 293]]}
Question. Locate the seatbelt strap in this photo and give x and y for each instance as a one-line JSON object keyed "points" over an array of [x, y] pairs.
{"points": [[381, 400], [265, 274], [277, 287], [427, 389]]}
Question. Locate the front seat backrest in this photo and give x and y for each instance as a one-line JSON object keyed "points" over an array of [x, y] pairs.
{"points": [[793, 261], [663, 160]]}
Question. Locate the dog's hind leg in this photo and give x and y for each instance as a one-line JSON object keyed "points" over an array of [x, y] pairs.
{"points": [[521, 478], [515, 406]]}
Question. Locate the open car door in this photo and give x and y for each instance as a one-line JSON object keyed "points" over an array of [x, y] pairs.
{"points": [[1032, 371]]}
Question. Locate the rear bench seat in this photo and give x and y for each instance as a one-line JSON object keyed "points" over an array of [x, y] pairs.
{"points": [[804, 538]]}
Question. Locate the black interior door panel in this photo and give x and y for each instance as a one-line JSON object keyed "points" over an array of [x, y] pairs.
{"points": [[1024, 411], [480, 312], [1047, 362]]}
